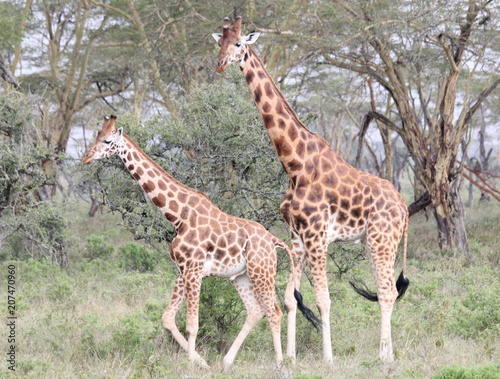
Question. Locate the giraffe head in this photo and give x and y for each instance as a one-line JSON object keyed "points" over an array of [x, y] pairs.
{"points": [[106, 143], [233, 45]]}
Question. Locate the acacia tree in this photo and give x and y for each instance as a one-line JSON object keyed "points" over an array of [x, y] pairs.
{"points": [[61, 75], [436, 62]]}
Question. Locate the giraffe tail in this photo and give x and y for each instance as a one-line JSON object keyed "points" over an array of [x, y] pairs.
{"points": [[307, 312], [401, 284]]}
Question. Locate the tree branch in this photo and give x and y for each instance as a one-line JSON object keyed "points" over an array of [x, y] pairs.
{"points": [[7, 74], [481, 187], [423, 202], [482, 96]]}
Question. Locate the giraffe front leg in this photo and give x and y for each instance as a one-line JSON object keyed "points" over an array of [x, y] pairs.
{"points": [[322, 294], [192, 282], [168, 317], [296, 269]]}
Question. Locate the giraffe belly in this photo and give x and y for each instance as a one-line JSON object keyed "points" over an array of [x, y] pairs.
{"points": [[342, 232], [225, 268]]}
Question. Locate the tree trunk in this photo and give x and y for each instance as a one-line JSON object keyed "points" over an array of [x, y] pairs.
{"points": [[462, 242], [445, 227]]}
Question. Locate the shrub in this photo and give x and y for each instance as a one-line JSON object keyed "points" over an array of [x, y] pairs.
{"points": [[136, 257], [61, 288], [29, 227], [476, 372], [98, 248], [133, 333], [221, 313], [478, 313]]}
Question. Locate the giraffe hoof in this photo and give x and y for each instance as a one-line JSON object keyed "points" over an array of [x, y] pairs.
{"points": [[203, 364], [227, 364], [199, 361]]}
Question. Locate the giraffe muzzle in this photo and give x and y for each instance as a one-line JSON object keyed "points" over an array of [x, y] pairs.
{"points": [[220, 68], [87, 160]]}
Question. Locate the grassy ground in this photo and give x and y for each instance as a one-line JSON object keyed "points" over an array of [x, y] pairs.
{"points": [[101, 317]]}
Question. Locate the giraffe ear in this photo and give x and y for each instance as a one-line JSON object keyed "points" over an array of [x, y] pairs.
{"points": [[217, 36], [119, 134], [251, 38]]}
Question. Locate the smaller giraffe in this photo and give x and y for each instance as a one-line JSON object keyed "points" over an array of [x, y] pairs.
{"points": [[208, 242]]}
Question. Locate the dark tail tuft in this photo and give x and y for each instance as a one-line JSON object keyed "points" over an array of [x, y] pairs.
{"points": [[308, 314], [363, 290], [401, 285]]}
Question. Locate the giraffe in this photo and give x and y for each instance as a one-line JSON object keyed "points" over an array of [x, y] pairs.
{"points": [[328, 200], [208, 242]]}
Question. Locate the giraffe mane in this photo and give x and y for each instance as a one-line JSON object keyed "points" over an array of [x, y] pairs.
{"points": [[152, 163], [282, 98]]}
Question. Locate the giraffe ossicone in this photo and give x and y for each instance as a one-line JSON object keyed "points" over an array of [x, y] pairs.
{"points": [[208, 242], [328, 200]]}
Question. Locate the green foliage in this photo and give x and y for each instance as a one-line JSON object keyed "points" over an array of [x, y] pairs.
{"points": [[212, 148], [230, 157], [38, 233], [32, 367], [478, 314], [221, 314], [130, 334], [60, 288], [19, 170], [136, 257], [29, 227], [98, 248], [477, 372], [10, 18]]}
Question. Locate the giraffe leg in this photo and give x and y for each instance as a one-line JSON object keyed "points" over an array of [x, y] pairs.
{"points": [[382, 254], [323, 302], [168, 318], [192, 282], [264, 284], [387, 294], [266, 290], [255, 312], [296, 269]]}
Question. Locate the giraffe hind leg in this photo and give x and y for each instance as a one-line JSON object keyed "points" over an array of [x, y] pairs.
{"points": [[255, 312]]}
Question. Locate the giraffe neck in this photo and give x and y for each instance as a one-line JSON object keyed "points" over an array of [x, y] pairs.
{"points": [[168, 194], [293, 141]]}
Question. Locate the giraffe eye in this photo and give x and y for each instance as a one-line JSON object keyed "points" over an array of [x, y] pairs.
{"points": [[237, 44], [108, 142]]}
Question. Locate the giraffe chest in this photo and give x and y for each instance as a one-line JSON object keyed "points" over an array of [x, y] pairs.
{"points": [[341, 231], [336, 223]]}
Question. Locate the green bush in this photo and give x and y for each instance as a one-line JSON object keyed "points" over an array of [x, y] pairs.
{"points": [[29, 227], [476, 372], [61, 288], [98, 248], [136, 257], [133, 333], [221, 314], [478, 313]]}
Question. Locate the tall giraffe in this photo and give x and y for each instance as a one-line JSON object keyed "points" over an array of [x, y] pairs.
{"points": [[328, 200], [208, 242]]}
